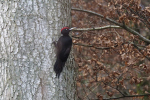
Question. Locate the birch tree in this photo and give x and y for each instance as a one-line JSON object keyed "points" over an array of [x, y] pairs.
{"points": [[27, 30]]}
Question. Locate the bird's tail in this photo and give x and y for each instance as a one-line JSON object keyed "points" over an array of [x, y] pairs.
{"points": [[58, 67]]}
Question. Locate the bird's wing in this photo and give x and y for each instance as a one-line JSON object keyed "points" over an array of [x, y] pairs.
{"points": [[63, 48], [65, 53], [59, 46]]}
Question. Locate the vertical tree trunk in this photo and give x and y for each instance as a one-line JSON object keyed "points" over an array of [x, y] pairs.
{"points": [[27, 29]]}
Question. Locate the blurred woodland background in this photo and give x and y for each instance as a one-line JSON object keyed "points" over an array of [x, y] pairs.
{"points": [[112, 62]]}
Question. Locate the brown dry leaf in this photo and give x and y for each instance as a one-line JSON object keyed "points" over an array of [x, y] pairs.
{"points": [[148, 78], [80, 49], [146, 87], [80, 64], [84, 74], [80, 69], [99, 78], [78, 84], [99, 63], [131, 92], [132, 80], [100, 97], [123, 56], [138, 81], [89, 61], [124, 87], [147, 9], [109, 93], [121, 82]]}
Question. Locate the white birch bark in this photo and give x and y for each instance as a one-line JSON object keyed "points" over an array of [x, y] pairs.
{"points": [[27, 29]]}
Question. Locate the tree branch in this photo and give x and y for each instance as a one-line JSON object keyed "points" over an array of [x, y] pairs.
{"points": [[114, 22], [102, 48], [128, 96], [96, 28]]}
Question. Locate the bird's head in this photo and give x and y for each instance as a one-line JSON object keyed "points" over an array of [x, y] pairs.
{"points": [[66, 30]]}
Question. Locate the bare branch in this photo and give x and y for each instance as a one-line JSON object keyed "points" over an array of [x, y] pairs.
{"points": [[102, 48], [96, 28], [114, 22]]}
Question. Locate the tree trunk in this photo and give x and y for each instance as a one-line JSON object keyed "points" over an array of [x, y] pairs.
{"points": [[27, 30]]}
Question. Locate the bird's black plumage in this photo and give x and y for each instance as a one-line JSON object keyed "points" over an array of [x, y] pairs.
{"points": [[63, 47]]}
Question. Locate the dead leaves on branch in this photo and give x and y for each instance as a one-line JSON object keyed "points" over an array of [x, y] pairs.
{"points": [[110, 62], [108, 65]]}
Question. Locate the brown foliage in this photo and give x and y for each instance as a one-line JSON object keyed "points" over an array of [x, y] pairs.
{"points": [[111, 62]]}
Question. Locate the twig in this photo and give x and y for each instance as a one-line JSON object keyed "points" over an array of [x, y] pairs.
{"points": [[140, 50], [85, 93], [119, 24], [123, 95]]}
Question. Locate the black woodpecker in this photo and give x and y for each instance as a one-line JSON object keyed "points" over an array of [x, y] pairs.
{"points": [[63, 47]]}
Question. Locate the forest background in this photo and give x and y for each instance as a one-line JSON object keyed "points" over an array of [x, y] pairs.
{"points": [[112, 48]]}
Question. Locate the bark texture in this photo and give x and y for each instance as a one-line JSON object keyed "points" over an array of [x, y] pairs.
{"points": [[27, 29]]}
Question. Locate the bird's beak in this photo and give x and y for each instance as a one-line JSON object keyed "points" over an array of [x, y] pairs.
{"points": [[72, 28]]}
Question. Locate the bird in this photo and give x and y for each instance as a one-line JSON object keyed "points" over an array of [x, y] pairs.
{"points": [[63, 48]]}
